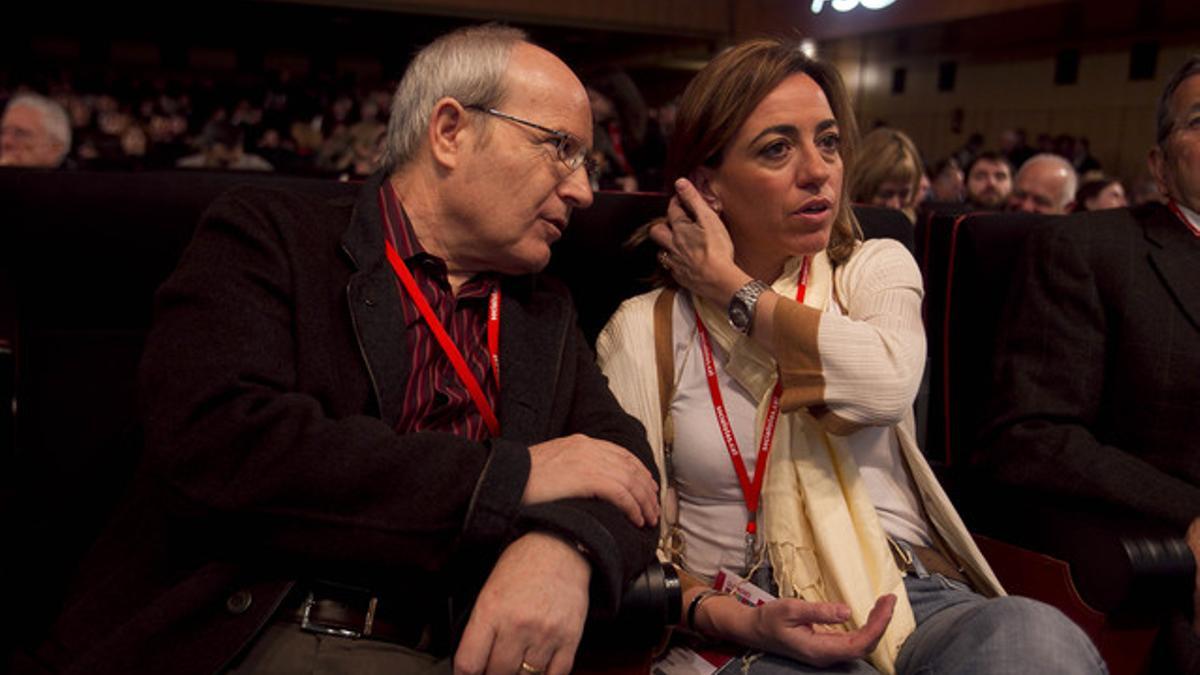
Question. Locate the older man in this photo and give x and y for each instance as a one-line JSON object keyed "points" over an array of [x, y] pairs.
{"points": [[1098, 394], [34, 132], [375, 438], [1046, 184], [989, 181]]}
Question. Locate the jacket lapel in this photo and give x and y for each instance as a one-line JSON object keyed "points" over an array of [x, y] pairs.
{"points": [[1175, 256], [533, 332], [374, 304]]}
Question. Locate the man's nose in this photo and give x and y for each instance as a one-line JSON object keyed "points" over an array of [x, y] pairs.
{"points": [[576, 189]]}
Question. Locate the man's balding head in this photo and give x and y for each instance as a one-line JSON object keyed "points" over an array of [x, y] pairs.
{"points": [[490, 160], [1045, 184], [468, 65]]}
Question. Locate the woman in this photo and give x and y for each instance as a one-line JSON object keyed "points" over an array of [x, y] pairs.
{"points": [[760, 140], [888, 172], [1102, 193]]}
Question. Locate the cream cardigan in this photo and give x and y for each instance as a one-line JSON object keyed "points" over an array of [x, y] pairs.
{"points": [[840, 373]]}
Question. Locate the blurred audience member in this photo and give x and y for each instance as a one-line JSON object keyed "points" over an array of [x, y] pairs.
{"points": [[888, 172], [34, 132], [989, 181], [1098, 194], [1082, 159], [221, 148], [1045, 184], [653, 155], [278, 150], [1015, 147], [366, 146], [620, 115], [948, 184], [970, 150]]}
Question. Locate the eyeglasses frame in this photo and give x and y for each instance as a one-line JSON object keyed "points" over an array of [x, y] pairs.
{"points": [[583, 158]]}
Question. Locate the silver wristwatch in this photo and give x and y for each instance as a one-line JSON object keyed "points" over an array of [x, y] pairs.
{"points": [[741, 305]]}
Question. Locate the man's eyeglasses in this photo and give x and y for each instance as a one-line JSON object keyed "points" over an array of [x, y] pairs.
{"points": [[571, 150]]}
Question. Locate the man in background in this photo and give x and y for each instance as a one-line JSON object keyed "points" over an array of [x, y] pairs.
{"points": [[1045, 184], [989, 181], [34, 132]]}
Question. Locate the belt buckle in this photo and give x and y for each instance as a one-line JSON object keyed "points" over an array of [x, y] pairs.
{"points": [[906, 558], [308, 625]]}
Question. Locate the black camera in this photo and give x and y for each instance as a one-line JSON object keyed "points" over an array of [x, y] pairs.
{"points": [[651, 602]]}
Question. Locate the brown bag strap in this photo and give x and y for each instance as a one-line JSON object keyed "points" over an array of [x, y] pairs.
{"points": [[664, 357]]}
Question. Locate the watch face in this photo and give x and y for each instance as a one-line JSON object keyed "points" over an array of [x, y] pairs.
{"points": [[739, 316]]}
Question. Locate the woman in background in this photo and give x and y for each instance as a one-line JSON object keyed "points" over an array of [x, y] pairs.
{"points": [[808, 381], [888, 172], [1102, 193]]}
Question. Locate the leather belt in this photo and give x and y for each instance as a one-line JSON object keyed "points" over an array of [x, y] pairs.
{"points": [[923, 561], [353, 613]]}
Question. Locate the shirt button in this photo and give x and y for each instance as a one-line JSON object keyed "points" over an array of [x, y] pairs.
{"points": [[239, 602]]}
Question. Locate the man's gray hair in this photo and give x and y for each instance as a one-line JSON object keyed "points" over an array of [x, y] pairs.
{"points": [[468, 65], [1069, 186], [54, 118], [1165, 124]]}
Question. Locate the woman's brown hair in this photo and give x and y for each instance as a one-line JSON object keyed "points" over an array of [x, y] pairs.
{"points": [[721, 97]]}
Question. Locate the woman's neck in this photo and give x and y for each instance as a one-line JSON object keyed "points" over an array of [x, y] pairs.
{"points": [[764, 267]]}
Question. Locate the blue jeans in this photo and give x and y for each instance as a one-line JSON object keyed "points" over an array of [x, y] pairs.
{"points": [[960, 631]]}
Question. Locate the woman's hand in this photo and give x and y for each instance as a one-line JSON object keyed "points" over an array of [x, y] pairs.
{"points": [[796, 629], [696, 247]]}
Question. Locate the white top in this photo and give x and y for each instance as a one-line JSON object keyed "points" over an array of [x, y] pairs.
{"points": [[712, 510], [843, 377]]}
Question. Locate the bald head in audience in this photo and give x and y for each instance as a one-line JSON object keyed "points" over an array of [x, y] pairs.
{"points": [[1045, 184]]}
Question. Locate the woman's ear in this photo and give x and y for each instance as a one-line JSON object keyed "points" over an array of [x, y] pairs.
{"points": [[705, 181]]}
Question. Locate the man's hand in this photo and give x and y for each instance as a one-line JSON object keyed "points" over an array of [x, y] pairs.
{"points": [[531, 610], [1193, 541], [581, 466]]}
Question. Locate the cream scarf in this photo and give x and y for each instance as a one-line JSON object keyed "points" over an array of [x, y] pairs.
{"points": [[841, 554]]}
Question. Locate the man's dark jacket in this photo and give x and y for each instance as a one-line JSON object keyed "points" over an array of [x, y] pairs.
{"points": [[271, 381], [1099, 378]]}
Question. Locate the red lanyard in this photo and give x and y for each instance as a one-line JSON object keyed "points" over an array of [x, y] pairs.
{"points": [[1182, 217], [455, 356], [751, 489]]}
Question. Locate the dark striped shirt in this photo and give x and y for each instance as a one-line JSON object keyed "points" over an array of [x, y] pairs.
{"points": [[435, 398]]}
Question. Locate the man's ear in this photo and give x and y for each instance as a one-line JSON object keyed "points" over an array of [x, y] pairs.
{"points": [[704, 178], [448, 132], [1156, 161]]}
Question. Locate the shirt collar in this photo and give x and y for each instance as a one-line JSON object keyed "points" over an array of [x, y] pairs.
{"points": [[398, 230], [1188, 216]]}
